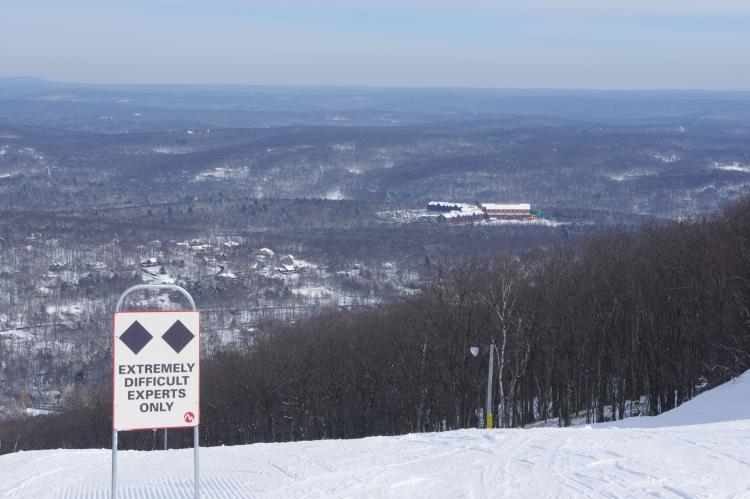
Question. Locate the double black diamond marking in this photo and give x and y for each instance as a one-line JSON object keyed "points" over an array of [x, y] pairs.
{"points": [[178, 336], [136, 337]]}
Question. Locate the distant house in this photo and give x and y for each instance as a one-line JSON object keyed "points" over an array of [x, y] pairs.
{"points": [[149, 262], [58, 267], [521, 211], [202, 248], [287, 265], [287, 269]]}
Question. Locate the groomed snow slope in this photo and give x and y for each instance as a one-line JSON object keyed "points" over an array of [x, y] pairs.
{"points": [[696, 459], [728, 402]]}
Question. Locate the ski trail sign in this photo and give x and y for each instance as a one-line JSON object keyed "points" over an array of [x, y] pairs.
{"points": [[156, 370]]}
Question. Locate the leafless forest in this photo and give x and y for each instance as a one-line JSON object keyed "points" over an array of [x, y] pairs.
{"points": [[333, 306]]}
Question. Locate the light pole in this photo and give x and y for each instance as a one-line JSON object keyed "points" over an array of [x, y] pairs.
{"points": [[475, 352]]}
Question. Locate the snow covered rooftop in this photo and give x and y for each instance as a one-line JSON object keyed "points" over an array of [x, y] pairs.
{"points": [[463, 213], [494, 206], [443, 204]]}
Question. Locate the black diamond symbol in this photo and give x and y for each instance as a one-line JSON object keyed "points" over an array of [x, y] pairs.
{"points": [[178, 336], [136, 337]]}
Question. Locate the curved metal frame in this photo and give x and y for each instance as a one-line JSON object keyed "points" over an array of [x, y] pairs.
{"points": [[139, 287], [196, 462]]}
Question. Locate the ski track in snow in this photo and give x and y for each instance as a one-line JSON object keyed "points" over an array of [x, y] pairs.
{"points": [[700, 449], [710, 460]]}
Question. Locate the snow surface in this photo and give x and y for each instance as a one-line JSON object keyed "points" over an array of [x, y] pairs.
{"points": [[632, 175], [733, 167], [728, 402], [335, 195], [700, 457]]}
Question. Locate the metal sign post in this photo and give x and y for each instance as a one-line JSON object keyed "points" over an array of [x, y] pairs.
{"points": [[490, 423], [475, 352], [156, 384]]}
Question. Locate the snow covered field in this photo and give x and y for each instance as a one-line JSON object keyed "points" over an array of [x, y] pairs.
{"points": [[690, 452]]}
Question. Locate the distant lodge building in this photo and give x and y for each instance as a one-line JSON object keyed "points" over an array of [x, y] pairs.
{"points": [[444, 206], [520, 211], [462, 216], [467, 213]]}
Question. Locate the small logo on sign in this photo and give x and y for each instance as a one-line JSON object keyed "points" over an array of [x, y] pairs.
{"points": [[189, 417]]}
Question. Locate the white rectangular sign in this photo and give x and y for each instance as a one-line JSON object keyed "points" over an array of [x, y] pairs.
{"points": [[156, 370]]}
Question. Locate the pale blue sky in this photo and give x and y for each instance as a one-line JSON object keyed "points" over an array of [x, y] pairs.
{"points": [[656, 44]]}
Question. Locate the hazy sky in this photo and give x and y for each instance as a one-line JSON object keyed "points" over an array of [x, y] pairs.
{"points": [[648, 44]]}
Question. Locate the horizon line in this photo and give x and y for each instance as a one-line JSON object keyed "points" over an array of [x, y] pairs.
{"points": [[368, 86]]}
